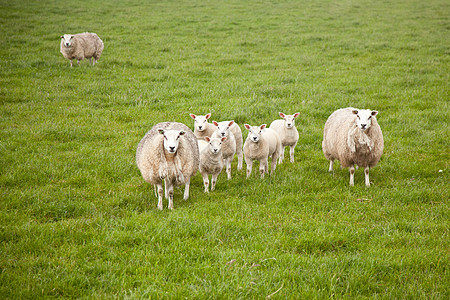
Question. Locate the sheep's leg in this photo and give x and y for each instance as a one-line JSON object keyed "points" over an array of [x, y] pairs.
{"points": [[263, 166], [291, 152], [366, 175], [160, 195], [186, 189], [170, 187], [249, 163], [228, 164], [281, 157], [352, 175], [213, 181], [240, 158], [71, 64], [90, 60], [330, 169], [156, 190], [274, 164], [206, 181], [78, 62]]}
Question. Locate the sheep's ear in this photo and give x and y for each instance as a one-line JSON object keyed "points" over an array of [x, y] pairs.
{"points": [[374, 113], [62, 36], [296, 114], [207, 138], [215, 123], [193, 116], [223, 139], [263, 126], [161, 131], [182, 132], [355, 111], [247, 126], [231, 123], [71, 36], [208, 116], [282, 115]]}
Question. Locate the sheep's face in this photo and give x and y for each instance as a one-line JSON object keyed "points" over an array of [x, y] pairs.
{"points": [[171, 139], [364, 118], [215, 144], [289, 120], [223, 128], [254, 132], [200, 121], [67, 40]]}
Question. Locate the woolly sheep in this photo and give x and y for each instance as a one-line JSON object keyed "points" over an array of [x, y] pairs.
{"points": [[211, 161], [201, 126], [288, 133], [168, 151], [80, 46], [229, 145], [261, 143], [353, 137]]}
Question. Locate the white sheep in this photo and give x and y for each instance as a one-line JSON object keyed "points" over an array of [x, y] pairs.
{"points": [[229, 145], [353, 137], [261, 143], [201, 126], [288, 133], [168, 151], [80, 46], [211, 161]]}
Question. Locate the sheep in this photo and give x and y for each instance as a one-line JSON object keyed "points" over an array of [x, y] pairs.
{"points": [[80, 46], [288, 133], [168, 151], [201, 126], [261, 143], [229, 145], [211, 161], [353, 137]]}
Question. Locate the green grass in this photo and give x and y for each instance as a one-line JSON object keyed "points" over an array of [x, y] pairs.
{"points": [[78, 221]]}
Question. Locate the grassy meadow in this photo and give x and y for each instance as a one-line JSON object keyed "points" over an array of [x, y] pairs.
{"points": [[78, 221]]}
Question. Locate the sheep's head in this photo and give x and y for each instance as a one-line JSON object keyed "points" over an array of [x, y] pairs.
{"points": [[171, 139], [223, 128], [200, 121], [67, 40], [364, 118], [215, 144], [289, 120], [254, 132]]}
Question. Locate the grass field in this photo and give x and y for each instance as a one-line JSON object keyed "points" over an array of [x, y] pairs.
{"points": [[78, 221]]}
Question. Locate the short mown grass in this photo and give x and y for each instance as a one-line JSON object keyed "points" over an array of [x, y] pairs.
{"points": [[78, 221]]}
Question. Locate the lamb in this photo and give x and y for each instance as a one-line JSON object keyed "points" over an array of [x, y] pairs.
{"points": [[261, 143], [201, 126], [80, 46], [211, 161], [353, 137], [168, 151], [229, 145], [288, 133]]}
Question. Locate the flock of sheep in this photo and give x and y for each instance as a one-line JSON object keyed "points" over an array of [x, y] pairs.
{"points": [[172, 153]]}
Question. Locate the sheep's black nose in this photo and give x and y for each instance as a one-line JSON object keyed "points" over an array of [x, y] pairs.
{"points": [[172, 149], [363, 126], [255, 138], [223, 133], [200, 127]]}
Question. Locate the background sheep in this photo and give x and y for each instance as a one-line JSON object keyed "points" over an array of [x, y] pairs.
{"points": [[261, 143], [168, 151], [353, 137], [211, 161], [288, 133], [80, 46], [229, 145], [222, 129], [201, 126]]}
